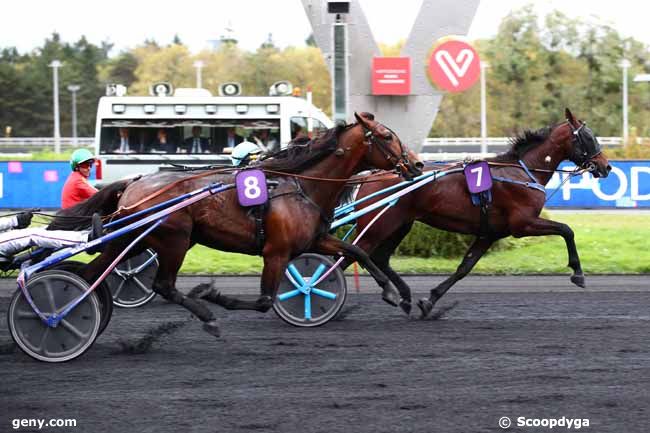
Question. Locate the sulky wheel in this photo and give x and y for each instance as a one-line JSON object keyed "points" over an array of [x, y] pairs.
{"points": [[103, 291], [52, 291], [131, 280], [299, 302]]}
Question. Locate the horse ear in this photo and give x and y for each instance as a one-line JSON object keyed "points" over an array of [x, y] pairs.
{"points": [[569, 116], [368, 116], [359, 118]]}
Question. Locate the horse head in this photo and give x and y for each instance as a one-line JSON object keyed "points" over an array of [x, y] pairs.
{"points": [[583, 148], [385, 150]]}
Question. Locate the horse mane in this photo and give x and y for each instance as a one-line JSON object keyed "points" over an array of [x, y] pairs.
{"points": [[103, 202], [303, 153], [524, 142]]}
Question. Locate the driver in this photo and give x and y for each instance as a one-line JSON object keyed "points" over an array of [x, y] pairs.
{"points": [[14, 241], [77, 188], [243, 153]]}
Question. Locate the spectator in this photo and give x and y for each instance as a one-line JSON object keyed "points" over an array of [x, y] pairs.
{"points": [[232, 139], [196, 143], [122, 144], [266, 140], [163, 143]]}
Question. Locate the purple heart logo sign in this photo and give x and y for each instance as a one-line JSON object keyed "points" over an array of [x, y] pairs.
{"points": [[251, 187], [478, 177]]}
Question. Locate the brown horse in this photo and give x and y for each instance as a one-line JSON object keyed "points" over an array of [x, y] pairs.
{"points": [[296, 219], [446, 204]]}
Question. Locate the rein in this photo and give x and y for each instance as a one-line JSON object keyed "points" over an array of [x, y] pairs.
{"points": [[541, 170]]}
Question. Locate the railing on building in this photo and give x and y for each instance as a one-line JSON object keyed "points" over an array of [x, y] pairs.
{"points": [[430, 145], [19, 145]]}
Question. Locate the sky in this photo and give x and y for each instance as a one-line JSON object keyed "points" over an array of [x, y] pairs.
{"points": [[127, 23]]}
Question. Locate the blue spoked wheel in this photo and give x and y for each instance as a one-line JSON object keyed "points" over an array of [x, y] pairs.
{"points": [[300, 302]]}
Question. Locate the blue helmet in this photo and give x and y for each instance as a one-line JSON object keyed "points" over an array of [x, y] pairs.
{"points": [[242, 151]]}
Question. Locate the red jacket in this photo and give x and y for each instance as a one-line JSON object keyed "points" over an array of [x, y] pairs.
{"points": [[76, 190]]}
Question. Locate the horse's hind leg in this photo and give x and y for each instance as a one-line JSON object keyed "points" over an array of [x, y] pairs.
{"points": [[165, 284], [472, 256], [543, 227]]}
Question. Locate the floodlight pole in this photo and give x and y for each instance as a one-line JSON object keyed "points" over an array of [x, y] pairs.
{"points": [[199, 66], [484, 66], [340, 71], [55, 65], [74, 88], [625, 65]]}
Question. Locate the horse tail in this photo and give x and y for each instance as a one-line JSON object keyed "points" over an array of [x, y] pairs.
{"points": [[104, 202]]}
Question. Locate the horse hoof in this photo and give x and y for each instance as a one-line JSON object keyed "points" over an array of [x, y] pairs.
{"points": [[264, 304], [212, 328], [390, 295], [425, 307], [200, 291], [405, 305], [578, 280]]}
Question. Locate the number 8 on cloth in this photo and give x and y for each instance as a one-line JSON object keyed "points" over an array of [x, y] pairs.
{"points": [[478, 177], [251, 187]]}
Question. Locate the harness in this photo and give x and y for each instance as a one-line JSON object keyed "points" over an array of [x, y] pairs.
{"points": [[534, 184]]}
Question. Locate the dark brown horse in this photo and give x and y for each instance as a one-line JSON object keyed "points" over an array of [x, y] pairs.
{"points": [[446, 204], [296, 220]]}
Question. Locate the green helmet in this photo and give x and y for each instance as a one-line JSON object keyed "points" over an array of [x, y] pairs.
{"points": [[79, 156]]}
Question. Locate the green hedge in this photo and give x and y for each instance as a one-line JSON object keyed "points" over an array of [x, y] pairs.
{"points": [[425, 241]]}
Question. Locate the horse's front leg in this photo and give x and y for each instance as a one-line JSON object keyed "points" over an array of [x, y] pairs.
{"points": [[544, 227], [329, 245], [472, 256], [381, 257]]}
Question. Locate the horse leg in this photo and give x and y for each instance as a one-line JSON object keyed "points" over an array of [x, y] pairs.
{"points": [[274, 266], [329, 245], [544, 227], [381, 257], [472, 256], [164, 282], [165, 285]]}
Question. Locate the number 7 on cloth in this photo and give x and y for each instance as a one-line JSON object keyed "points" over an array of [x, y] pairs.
{"points": [[478, 177], [251, 187]]}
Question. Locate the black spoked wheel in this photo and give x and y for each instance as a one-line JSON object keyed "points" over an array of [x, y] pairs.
{"points": [[131, 281], [103, 291], [302, 303], [52, 291]]}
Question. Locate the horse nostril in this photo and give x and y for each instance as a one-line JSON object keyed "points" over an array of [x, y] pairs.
{"points": [[419, 165], [609, 168]]}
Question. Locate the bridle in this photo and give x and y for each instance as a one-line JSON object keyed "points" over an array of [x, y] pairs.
{"points": [[585, 146], [374, 139]]}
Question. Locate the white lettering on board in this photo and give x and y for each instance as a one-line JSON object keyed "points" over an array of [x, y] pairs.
{"points": [[622, 187], [634, 183], [585, 182]]}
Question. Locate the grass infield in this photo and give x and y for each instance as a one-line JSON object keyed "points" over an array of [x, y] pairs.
{"points": [[608, 242]]}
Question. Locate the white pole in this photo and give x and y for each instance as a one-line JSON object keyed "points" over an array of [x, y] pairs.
{"points": [[484, 66], [625, 64], [73, 88], [199, 79], [55, 65]]}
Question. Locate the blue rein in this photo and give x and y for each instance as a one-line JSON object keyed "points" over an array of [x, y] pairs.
{"points": [[534, 184]]}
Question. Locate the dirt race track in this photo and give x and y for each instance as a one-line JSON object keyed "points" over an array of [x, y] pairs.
{"points": [[516, 347]]}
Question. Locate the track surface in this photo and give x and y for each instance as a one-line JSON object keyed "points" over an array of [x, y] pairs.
{"points": [[524, 346]]}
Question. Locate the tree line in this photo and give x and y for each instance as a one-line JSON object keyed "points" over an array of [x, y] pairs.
{"points": [[537, 67]]}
